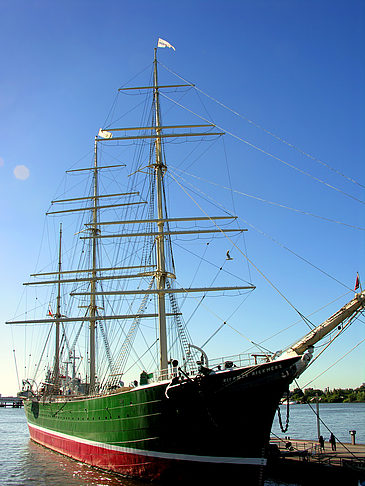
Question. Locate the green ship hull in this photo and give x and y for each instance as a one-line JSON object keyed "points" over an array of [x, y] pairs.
{"points": [[209, 423]]}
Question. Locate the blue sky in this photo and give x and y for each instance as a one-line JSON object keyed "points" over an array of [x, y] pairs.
{"points": [[296, 68]]}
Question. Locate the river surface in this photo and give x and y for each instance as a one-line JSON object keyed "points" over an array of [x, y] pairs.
{"points": [[24, 463], [338, 418]]}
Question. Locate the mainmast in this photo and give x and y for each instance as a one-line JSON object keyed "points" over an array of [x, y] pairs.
{"points": [[160, 244], [93, 308]]}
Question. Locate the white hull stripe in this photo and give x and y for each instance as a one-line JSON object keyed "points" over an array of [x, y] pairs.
{"points": [[252, 461]]}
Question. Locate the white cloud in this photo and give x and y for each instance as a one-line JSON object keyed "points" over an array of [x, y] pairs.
{"points": [[21, 172]]}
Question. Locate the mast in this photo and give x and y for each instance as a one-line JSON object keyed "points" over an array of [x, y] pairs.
{"points": [[93, 310], [160, 244], [56, 372], [158, 271]]}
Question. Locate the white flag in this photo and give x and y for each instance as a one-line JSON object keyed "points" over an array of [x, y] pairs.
{"points": [[163, 43], [104, 134]]}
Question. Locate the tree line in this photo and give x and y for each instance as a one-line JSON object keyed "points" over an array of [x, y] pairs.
{"points": [[337, 395]]}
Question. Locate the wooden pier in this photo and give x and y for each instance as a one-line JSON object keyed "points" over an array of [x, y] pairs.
{"points": [[304, 460], [14, 402]]}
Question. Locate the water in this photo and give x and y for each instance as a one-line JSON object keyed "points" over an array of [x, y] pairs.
{"points": [[338, 418], [24, 463]]}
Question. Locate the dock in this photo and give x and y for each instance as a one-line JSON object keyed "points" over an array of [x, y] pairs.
{"points": [[293, 459], [14, 402]]}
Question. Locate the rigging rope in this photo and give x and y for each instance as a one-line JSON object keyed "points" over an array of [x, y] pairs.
{"points": [[267, 131], [120, 364], [243, 254], [234, 206], [267, 153], [224, 322], [218, 317], [299, 321], [298, 256], [340, 359], [307, 213], [277, 242], [325, 425]]}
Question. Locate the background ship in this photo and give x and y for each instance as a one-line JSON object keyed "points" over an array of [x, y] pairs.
{"points": [[105, 399]]}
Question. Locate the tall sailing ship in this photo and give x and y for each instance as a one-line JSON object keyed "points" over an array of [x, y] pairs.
{"points": [[189, 415]]}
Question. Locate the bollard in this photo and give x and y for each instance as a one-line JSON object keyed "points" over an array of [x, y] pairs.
{"points": [[353, 434]]}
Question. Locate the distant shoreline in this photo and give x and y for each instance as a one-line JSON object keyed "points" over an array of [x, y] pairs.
{"points": [[337, 395]]}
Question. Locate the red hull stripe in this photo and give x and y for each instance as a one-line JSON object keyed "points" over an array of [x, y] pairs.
{"points": [[80, 449]]}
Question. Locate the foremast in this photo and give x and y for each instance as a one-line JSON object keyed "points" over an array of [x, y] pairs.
{"points": [[56, 369]]}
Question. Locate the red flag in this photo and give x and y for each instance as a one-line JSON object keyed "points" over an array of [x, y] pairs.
{"points": [[50, 311], [357, 283]]}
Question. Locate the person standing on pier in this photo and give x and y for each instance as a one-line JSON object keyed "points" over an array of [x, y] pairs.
{"points": [[333, 441], [321, 443]]}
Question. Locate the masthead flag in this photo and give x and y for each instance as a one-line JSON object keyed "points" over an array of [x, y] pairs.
{"points": [[163, 43], [357, 283]]}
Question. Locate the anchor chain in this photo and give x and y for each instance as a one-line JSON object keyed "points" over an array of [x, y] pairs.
{"points": [[287, 415]]}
